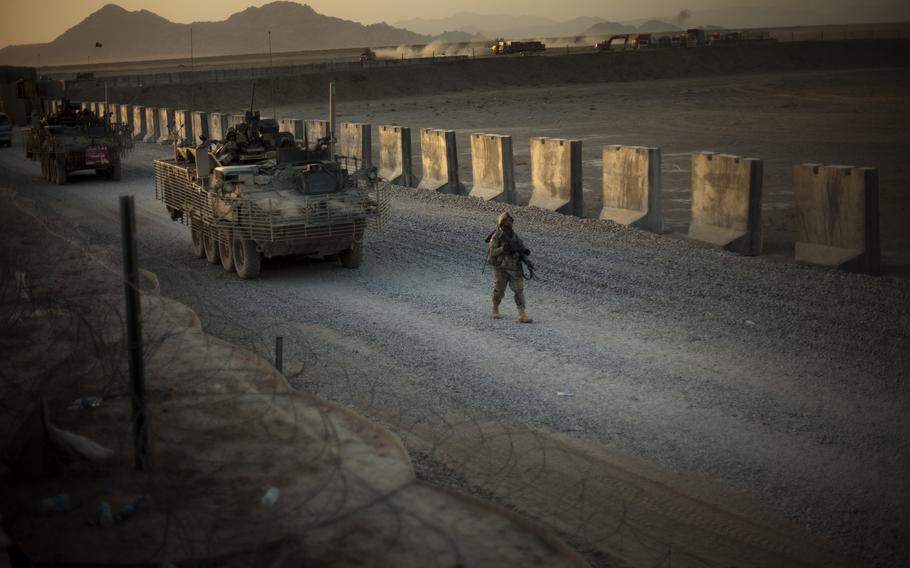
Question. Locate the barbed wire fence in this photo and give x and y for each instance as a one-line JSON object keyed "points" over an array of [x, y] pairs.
{"points": [[232, 441]]}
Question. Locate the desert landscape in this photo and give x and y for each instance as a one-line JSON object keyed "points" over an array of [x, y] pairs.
{"points": [[674, 403]]}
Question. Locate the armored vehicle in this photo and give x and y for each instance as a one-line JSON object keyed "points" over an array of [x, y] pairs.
{"points": [[73, 139], [260, 194]]}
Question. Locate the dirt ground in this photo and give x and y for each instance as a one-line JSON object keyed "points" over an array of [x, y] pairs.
{"points": [[826, 105], [650, 415], [850, 116], [672, 404]]}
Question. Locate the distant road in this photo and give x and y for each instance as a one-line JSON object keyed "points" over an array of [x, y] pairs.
{"points": [[555, 46]]}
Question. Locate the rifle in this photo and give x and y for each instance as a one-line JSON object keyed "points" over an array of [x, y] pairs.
{"points": [[522, 255]]}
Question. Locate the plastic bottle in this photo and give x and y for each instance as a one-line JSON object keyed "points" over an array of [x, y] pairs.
{"points": [[86, 403], [127, 511], [270, 497], [57, 504], [105, 517]]}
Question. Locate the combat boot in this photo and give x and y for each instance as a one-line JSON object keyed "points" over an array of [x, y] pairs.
{"points": [[494, 313], [523, 317]]}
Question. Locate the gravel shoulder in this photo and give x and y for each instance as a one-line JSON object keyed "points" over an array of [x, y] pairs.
{"points": [[721, 391]]}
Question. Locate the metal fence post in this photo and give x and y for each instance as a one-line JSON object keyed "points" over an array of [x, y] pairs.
{"points": [[279, 354], [134, 333]]}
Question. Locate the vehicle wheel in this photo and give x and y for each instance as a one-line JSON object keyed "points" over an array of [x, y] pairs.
{"points": [[225, 250], [59, 172], [211, 248], [247, 260], [353, 257], [198, 246], [51, 170], [116, 171]]}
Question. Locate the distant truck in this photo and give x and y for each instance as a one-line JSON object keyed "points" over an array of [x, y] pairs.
{"points": [[624, 42], [695, 37], [506, 47], [73, 139], [368, 55]]}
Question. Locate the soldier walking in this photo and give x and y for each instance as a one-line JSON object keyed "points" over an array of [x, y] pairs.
{"points": [[504, 254]]}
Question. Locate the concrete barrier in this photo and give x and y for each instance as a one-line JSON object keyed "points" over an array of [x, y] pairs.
{"points": [[395, 155], [218, 125], [356, 145], [631, 187], [493, 167], [200, 120], [314, 130], [292, 126], [235, 119], [439, 156], [152, 125], [126, 115], [837, 217], [726, 202], [556, 175], [139, 129], [183, 123], [165, 124]]}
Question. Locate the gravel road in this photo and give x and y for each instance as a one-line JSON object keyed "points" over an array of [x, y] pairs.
{"points": [[784, 382]]}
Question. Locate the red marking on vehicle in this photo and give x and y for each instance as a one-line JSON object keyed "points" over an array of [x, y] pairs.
{"points": [[97, 156]]}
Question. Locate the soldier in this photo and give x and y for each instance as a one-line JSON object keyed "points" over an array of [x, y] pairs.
{"points": [[504, 255]]}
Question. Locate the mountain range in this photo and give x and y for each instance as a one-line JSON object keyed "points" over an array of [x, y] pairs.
{"points": [[143, 35], [501, 25], [122, 35]]}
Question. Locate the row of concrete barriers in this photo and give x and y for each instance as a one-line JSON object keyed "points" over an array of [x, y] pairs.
{"points": [[836, 206]]}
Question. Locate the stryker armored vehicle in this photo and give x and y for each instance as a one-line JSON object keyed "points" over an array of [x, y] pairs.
{"points": [[73, 139], [260, 194]]}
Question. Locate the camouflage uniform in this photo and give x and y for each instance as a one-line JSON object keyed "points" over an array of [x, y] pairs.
{"points": [[504, 256]]}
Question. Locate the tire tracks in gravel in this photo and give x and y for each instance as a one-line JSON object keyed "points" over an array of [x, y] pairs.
{"points": [[647, 333]]}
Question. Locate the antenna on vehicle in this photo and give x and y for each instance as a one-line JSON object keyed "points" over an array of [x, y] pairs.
{"points": [[252, 97], [331, 120]]}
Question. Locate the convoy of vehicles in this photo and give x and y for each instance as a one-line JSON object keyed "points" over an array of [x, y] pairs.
{"points": [[506, 47], [693, 37]]}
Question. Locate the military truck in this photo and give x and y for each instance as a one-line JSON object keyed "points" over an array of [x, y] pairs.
{"points": [[367, 55], [505, 47], [259, 194], [73, 139]]}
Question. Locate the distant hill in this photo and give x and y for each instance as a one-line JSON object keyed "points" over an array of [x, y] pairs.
{"points": [[501, 25], [652, 26], [609, 28], [458, 37], [140, 35]]}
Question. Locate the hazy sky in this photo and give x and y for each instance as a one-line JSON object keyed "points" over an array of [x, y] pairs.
{"points": [[38, 21]]}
